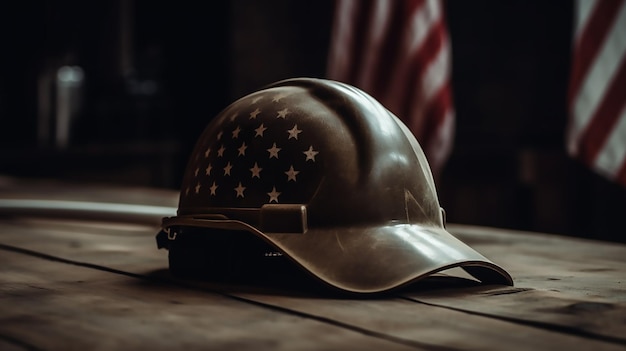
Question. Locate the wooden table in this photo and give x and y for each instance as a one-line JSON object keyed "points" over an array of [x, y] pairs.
{"points": [[72, 284]]}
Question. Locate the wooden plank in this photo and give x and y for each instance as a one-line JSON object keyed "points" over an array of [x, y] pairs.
{"points": [[13, 188], [397, 318], [13, 345], [578, 268], [541, 308], [574, 285], [54, 305]]}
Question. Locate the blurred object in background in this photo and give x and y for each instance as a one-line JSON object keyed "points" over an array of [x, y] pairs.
{"points": [[69, 86], [398, 51], [597, 96], [109, 91], [66, 92]]}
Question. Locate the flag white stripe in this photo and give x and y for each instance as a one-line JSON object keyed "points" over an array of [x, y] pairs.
{"points": [[613, 153], [437, 73], [598, 79], [421, 24], [584, 8]]}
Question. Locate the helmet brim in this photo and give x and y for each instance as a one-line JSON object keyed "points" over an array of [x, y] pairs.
{"points": [[377, 259], [372, 259]]}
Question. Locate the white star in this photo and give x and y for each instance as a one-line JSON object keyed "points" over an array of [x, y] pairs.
{"points": [[208, 169], [256, 99], [213, 188], [233, 116], [293, 132], [278, 97], [227, 169], [236, 132], [239, 189], [242, 149], [274, 195], [310, 154], [274, 151], [207, 152], [219, 135], [291, 174], [196, 171], [283, 113], [220, 151], [198, 188], [256, 171], [259, 131], [255, 113]]}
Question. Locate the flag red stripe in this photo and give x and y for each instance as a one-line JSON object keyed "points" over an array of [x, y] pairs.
{"points": [[605, 117], [393, 50], [590, 41], [359, 34]]}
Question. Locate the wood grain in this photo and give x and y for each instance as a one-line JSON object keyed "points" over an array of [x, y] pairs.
{"points": [[401, 318], [55, 306], [75, 284]]}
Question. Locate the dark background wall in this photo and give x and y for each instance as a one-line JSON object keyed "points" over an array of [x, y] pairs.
{"points": [[157, 71]]}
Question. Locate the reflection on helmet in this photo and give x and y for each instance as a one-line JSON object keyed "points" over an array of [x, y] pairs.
{"points": [[325, 175]]}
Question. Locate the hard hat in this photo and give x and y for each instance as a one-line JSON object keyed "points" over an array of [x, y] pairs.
{"points": [[326, 176]]}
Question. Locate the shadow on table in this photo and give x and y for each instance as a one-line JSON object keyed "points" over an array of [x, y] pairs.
{"points": [[300, 284]]}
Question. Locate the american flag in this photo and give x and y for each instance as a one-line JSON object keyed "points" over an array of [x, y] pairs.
{"points": [[597, 96], [398, 52], [260, 150]]}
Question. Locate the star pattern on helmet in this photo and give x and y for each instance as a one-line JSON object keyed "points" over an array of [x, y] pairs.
{"points": [[213, 188], [310, 154], [259, 131], [278, 97], [227, 169], [274, 151], [259, 152], [239, 190], [236, 132], [291, 174], [293, 132], [273, 195], [255, 113], [256, 171], [282, 113], [242, 149]]}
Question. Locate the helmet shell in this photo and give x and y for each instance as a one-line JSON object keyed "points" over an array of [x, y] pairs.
{"points": [[328, 176]]}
